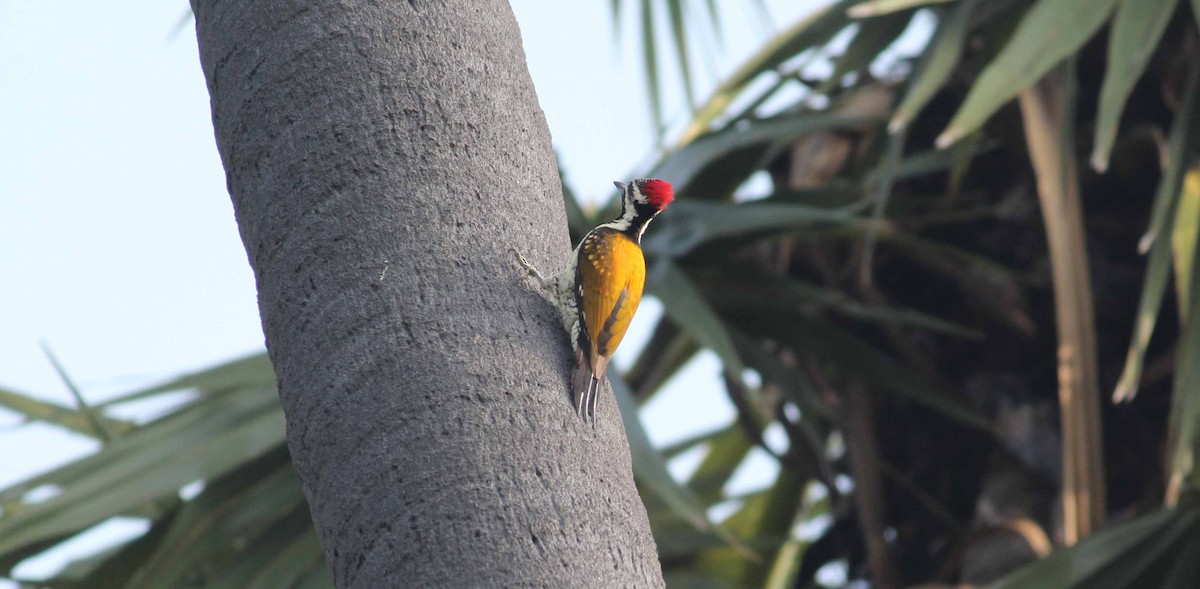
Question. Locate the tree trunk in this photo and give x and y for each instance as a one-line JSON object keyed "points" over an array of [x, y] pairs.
{"points": [[384, 158]]}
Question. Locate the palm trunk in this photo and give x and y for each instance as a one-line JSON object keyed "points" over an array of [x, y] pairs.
{"points": [[383, 159]]}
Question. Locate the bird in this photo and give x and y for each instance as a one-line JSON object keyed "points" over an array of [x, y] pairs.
{"points": [[599, 290]]}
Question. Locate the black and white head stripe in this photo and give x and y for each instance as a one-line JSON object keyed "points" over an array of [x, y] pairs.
{"points": [[635, 194]]}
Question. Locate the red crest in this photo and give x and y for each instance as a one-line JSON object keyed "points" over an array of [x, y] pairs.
{"points": [[658, 192]]}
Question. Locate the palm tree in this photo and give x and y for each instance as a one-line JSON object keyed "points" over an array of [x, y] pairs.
{"points": [[421, 379], [909, 318], [962, 252]]}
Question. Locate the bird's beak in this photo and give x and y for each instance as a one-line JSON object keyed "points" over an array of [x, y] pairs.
{"points": [[620, 186]]}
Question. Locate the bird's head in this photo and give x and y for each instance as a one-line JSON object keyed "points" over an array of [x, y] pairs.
{"points": [[649, 196]]}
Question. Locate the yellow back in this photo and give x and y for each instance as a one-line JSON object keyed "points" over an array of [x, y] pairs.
{"points": [[612, 270]]}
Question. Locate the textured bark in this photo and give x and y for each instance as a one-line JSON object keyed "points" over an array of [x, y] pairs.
{"points": [[383, 159]]}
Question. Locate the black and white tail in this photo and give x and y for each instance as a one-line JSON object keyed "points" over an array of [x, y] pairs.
{"points": [[585, 387]]}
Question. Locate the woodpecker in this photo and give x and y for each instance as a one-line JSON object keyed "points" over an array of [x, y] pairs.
{"points": [[599, 290]]}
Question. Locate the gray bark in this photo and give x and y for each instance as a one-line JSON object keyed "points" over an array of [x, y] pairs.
{"points": [[383, 159]]}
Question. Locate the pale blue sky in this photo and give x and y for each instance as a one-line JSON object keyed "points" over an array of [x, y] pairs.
{"points": [[118, 246]]}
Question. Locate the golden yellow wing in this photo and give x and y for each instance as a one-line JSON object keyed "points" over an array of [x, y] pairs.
{"points": [[612, 271]]}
